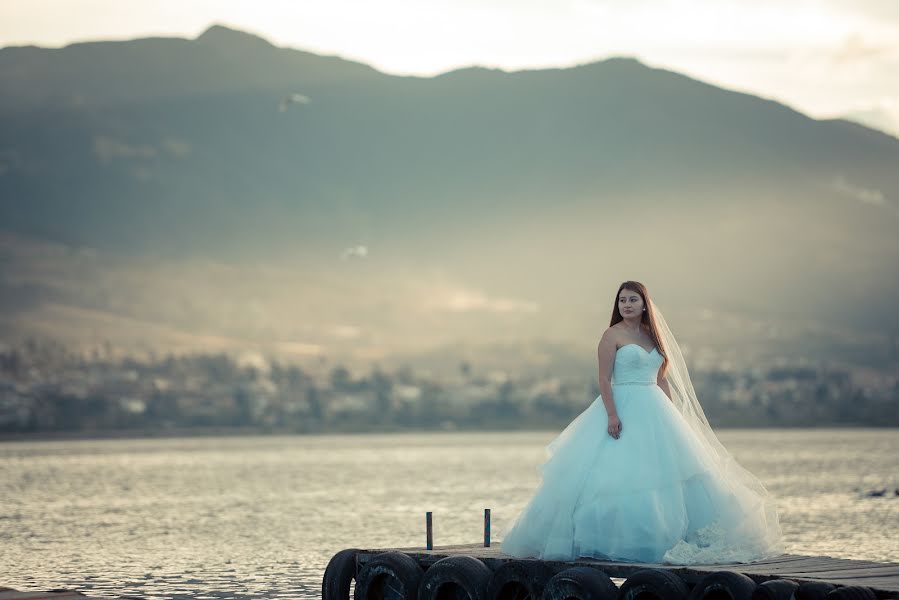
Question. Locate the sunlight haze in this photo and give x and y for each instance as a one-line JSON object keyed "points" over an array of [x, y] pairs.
{"points": [[828, 58]]}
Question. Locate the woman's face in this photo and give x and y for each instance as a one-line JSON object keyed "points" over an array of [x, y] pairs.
{"points": [[630, 304]]}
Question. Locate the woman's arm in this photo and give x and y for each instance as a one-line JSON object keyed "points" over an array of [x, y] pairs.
{"points": [[662, 381], [605, 354]]}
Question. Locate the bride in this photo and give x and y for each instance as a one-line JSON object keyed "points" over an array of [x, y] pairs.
{"points": [[640, 475]]}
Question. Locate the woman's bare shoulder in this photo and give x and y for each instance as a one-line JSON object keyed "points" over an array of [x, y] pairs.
{"points": [[611, 335]]}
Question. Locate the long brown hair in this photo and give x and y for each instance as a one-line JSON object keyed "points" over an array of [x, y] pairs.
{"points": [[647, 319]]}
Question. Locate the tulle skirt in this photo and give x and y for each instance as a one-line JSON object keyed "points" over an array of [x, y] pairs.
{"points": [[656, 494]]}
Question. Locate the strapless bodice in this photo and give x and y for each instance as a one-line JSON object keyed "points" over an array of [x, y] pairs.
{"points": [[634, 365]]}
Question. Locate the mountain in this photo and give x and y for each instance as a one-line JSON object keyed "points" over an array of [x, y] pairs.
{"points": [[173, 192]]}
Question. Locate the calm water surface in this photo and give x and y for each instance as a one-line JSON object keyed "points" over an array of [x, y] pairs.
{"points": [[261, 516]]}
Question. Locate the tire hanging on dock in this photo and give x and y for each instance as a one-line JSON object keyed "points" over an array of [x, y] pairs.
{"points": [[660, 585], [455, 577], [519, 580], [724, 584], [776, 589], [339, 574], [388, 576], [814, 590], [580, 583], [852, 592]]}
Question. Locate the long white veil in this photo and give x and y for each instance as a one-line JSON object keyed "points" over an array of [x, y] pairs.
{"points": [[760, 533]]}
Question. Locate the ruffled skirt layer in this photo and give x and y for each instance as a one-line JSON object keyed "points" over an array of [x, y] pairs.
{"points": [[656, 494]]}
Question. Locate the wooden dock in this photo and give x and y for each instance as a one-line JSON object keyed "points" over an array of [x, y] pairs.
{"points": [[881, 578]]}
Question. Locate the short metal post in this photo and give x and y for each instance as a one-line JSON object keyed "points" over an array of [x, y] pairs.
{"points": [[486, 527], [430, 530]]}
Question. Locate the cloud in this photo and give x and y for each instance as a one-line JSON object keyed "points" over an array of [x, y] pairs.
{"points": [[107, 149], [354, 252], [346, 332], [176, 148], [434, 292], [300, 348], [469, 301], [863, 195], [855, 48], [292, 99]]}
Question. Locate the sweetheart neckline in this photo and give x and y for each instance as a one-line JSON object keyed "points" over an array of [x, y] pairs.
{"points": [[640, 347]]}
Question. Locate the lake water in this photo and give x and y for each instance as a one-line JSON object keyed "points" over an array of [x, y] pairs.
{"points": [[251, 517]]}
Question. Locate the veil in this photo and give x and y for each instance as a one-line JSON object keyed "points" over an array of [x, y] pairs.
{"points": [[761, 528]]}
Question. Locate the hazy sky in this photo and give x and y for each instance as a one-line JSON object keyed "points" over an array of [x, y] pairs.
{"points": [[824, 57]]}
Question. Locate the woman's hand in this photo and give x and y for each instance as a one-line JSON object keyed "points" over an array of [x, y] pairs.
{"points": [[614, 426]]}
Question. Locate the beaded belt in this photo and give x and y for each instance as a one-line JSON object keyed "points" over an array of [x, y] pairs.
{"points": [[634, 383]]}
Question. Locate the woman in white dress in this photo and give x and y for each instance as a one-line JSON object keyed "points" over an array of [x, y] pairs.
{"points": [[640, 475]]}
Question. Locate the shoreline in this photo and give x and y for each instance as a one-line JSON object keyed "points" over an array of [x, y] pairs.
{"points": [[226, 432]]}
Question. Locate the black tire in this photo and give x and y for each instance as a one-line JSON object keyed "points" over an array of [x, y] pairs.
{"points": [[776, 589], [653, 583], [388, 576], [519, 580], [814, 590], [582, 583], [339, 574], [852, 592], [456, 577], [724, 585]]}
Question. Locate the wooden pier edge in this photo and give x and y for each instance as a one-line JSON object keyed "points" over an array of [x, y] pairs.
{"points": [[881, 578]]}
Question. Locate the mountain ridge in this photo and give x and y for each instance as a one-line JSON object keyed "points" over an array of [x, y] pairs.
{"points": [[500, 190]]}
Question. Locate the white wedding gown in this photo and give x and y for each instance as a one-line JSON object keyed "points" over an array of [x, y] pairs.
{"points": [[656, 494]]}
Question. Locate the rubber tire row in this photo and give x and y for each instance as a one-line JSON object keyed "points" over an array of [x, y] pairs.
{"points": [[727, 585], [397, 576]]}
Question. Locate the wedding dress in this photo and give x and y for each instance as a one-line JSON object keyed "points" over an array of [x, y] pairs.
{"points": [[664, 491]]}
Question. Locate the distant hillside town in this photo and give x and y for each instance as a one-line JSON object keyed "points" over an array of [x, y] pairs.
{"points": [[47, 389]]}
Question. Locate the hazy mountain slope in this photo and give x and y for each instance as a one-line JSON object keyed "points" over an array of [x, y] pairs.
{"points": [[496, 205]]}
